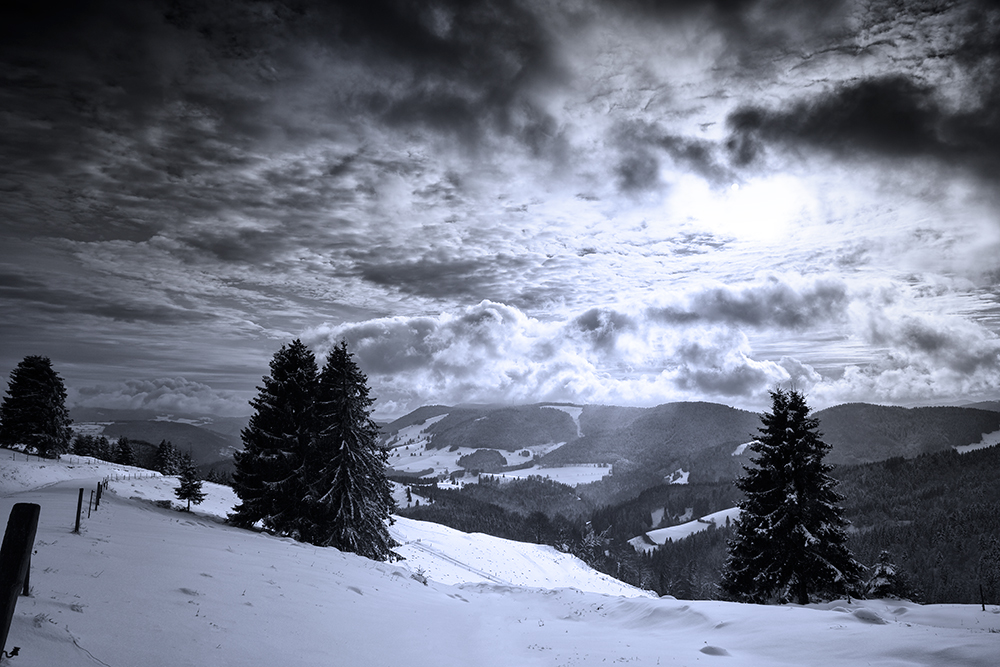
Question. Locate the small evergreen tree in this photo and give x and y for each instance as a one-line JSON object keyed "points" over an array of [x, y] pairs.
{"points": [[790, 537], [190, 484], [886, 581], [269, 471], [348, 499], [33, 412]]}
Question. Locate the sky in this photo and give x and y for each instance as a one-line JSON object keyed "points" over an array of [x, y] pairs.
{"points": [[629, 202]]}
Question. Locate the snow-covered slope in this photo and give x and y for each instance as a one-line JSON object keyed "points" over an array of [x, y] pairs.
{"points": [[453, 557], [142, 585]]}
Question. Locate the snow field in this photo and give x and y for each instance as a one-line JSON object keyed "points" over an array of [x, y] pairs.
{"points": [[988, 440], [142, 585], [569, 475]]}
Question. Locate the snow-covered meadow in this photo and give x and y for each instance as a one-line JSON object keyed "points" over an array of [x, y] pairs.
{"points": [[144, 585]]}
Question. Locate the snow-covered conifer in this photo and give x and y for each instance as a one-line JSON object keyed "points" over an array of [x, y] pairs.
{"points": [[190, 487], [790, 537], [268, 476], [123, 453], [885, 581], [167, 460], [33, 412], [348, 501]]}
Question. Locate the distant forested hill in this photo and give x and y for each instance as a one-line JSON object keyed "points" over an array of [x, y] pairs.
{"points": [[507, 428], [862, 433], [204, 445], [659, 436], [418, 416]]}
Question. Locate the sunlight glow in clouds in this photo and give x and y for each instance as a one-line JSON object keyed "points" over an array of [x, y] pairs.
{"points": [[762, 210]]}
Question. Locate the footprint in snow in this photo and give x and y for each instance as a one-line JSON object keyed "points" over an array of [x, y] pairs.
{"points": [[868, 616], [714, 650]]}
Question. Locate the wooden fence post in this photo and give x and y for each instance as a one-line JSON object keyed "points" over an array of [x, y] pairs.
{"points": [[79, 511], [15, 559]]}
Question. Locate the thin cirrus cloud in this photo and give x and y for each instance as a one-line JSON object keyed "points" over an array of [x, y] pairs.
{"points": [[625, 202]]}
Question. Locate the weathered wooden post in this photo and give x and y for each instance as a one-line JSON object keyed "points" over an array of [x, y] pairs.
{"points": [[15, 559], [90, 503], [79, 511]]}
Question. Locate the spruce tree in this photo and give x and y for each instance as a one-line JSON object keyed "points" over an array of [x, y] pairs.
{"points": [[269, 471], [33, 412], [124, 455], [167, 460], [190, 484], [348, 500], [84, 445], [103, 449], [885, 581], [790, 537]]}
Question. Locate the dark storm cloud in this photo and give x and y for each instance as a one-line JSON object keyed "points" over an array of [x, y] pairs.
{"points": [[948, 344], [743, 380], [443, 276], [602, 326], [459, 68], [643, 145], [890, 116], [774, 303], [755, 31]]}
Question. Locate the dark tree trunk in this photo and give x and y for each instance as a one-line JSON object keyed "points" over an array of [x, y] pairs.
{"points": [[802, 592]]}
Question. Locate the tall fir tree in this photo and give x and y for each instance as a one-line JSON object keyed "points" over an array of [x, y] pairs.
{"points": [[33, 412], [269, 471], [348, 501], [190, 484], [790, 537]]}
